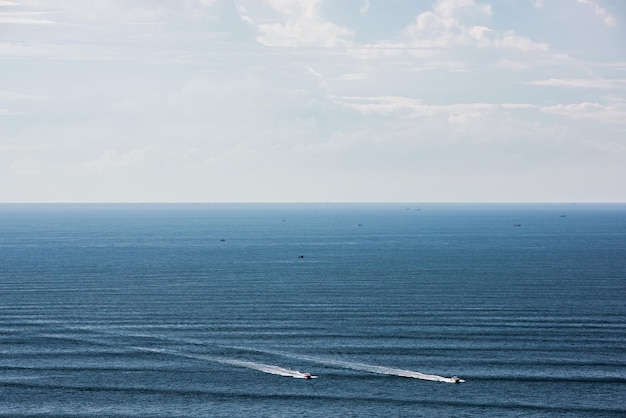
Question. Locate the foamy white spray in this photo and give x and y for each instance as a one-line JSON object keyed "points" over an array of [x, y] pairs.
{"points": [[383, 370]]}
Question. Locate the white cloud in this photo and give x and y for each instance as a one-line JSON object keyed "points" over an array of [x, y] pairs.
{"points": [[5, 112], [411, 108], [364, 7], [23, 17], [384, 105], [13, 96], [466, 113], [609, 84], [518, 106], [317, 75], [353, 77], [114, 11], [510, 40], [450, 8], [6, 95], [59, 51], [23, 20], [614, 113], [302, 25], [109, 29], [608, 19], [445, 27], [120, 12]]}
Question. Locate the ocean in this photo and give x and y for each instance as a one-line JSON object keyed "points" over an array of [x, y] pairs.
{"points": [[219, 310]]}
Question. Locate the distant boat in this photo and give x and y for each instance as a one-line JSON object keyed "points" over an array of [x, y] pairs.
{"points": [[517, 225]]}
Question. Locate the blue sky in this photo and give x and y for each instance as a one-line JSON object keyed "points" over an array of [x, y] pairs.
{"points": [[312, 100]]}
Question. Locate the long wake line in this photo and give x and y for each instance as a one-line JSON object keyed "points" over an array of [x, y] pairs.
{"points": [[265, 368], [387, 370]]}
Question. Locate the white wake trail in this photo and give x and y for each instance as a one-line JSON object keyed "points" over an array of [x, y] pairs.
{"points": [[392, 371], [268, 368], [265, 368]]}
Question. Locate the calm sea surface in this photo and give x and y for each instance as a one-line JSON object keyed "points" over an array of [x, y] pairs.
{"points": [[219, 310]]}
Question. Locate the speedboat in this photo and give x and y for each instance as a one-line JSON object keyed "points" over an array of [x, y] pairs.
{"points": [[308, 376]]}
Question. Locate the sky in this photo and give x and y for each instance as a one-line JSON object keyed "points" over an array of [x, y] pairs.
{"points": [[312, 101]]}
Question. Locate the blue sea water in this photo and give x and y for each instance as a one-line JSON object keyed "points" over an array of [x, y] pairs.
{"points": [[218, 309]]}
